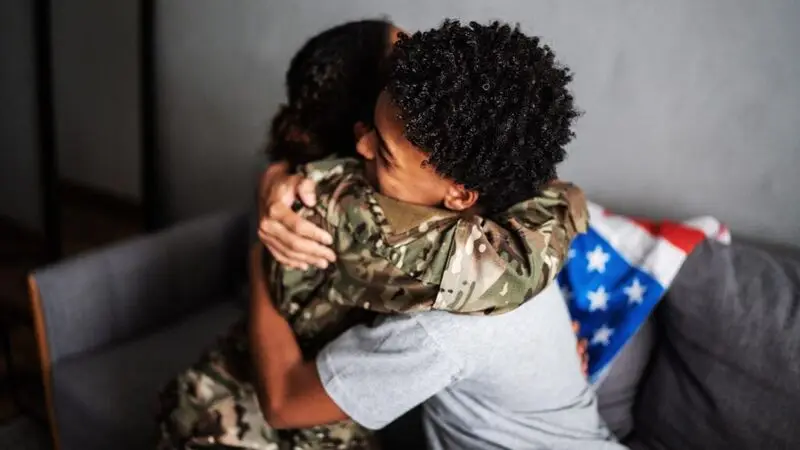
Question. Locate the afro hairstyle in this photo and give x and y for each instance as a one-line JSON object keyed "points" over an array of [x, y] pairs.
{"points": [[488, 104]]}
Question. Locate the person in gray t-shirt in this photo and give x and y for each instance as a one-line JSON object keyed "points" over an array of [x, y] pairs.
{"points": [[501, 382], [476, 116]]}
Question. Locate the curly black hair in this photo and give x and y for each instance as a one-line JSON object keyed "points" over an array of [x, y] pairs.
{"points": [[333, 82], [488, 104]]}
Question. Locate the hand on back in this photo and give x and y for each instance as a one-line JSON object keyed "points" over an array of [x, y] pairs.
{"points": [[292, 240]]}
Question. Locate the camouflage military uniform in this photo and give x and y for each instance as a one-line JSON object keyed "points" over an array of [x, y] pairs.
{"points": [[391, 257]]}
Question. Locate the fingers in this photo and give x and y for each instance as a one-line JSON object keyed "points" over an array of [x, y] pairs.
{"points": [[282, 255], [583, 346], [293, 247], [300, 236], [305, 229], [293, 240], [281, 214], [307, 191]]}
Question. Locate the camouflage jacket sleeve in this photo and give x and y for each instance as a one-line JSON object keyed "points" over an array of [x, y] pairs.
{"points": [[497, 264], [374, 270], [397, 257]]}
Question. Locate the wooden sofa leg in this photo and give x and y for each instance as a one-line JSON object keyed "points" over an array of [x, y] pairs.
{"points": [[44, 355]]}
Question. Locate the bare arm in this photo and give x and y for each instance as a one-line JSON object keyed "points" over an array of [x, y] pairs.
{"points": [[289, 389]]}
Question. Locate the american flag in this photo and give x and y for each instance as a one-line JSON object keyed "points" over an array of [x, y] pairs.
{"points": [[618, 271]]}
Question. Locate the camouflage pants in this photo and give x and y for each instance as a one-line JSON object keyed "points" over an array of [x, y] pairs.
{"points": [[213, 406]]}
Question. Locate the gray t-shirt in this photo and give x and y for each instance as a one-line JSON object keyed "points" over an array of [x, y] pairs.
{"points": [[511, 381]]}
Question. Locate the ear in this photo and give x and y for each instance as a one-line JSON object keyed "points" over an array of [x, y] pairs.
{"points": [[458, 198], [364, 137]]}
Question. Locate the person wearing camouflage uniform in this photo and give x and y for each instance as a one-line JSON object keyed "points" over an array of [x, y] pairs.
{"points": [[393, 257]]}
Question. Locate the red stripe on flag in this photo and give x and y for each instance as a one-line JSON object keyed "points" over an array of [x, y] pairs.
{"points": [[649, 226], [681, 236], [652, 227]]}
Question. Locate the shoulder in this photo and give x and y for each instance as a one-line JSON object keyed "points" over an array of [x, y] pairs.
{"points": [[338, 182], [406, 342], [377, 373], [429, 332], [476, 337], [330, 168]]}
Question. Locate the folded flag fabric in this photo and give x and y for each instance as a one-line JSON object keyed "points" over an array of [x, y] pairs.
{"points": [[618, 271]]}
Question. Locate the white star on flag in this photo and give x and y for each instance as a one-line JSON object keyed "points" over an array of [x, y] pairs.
{"points": [[597, 260], [635, 292], [602, 336], [598, 299], [571, 254]]}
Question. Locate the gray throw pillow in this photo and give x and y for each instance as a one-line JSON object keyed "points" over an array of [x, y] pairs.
{"points": [[616, 392], [726, 372]]}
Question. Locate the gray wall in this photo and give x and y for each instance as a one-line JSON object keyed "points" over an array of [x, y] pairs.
{"points": [[96, 93], [95, 60], [691, 107], [19, 155]]}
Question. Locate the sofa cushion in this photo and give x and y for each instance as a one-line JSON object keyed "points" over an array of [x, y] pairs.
{"points": [[617, 390], [726, 374], [108, 399]]}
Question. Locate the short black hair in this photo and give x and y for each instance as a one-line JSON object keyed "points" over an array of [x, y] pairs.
{"points": [[489, 105], [333, 82]]}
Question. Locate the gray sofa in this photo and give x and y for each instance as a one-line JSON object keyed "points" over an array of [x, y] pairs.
{"points": [[114, 325]]}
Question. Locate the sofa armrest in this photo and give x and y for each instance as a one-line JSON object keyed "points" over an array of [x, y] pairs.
{"points": [[119, 292]]}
